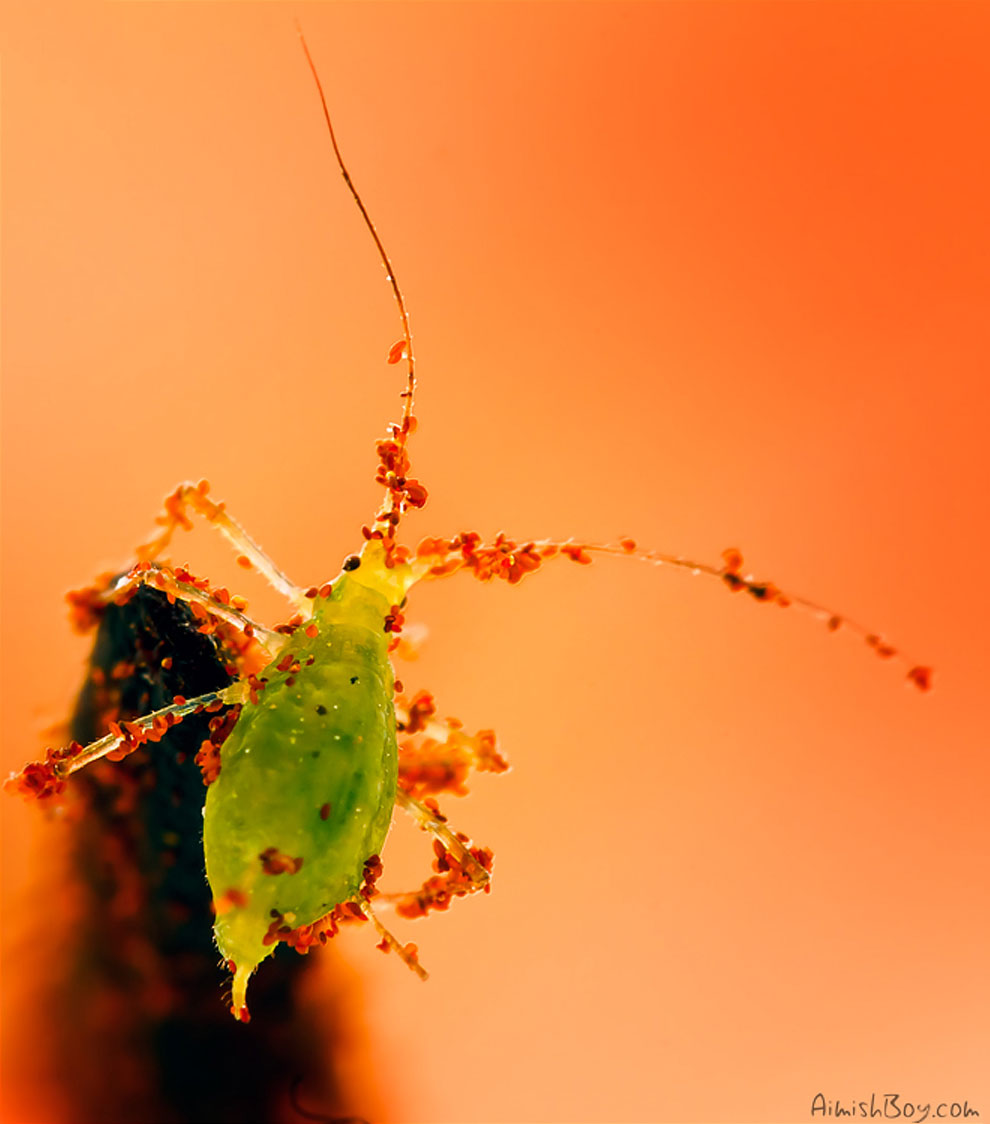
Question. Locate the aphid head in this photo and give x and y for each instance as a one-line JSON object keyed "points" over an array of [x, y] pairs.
{"points": [[379, 567]]}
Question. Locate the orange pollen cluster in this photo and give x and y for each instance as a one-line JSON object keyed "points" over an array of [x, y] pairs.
{"points": [[760, 591], [421, 708], [504, 559], [452, 880], [372, 872], [208, 757], [394, 620], [427, 765], [87, 606], [290, 626], [303, 937], [42, 780], [401, 491], [431, 765]]}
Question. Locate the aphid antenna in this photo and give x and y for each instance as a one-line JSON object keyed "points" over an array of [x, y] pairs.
{"points": [[401, 491], [765, 591], [512, 561], [394, 463]]}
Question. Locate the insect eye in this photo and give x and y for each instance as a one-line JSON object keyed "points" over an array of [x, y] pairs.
{"points": [[352, 563]]}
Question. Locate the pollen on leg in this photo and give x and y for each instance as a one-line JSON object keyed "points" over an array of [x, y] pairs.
{"points": [[408, 953], [437, 755], [87, 606]]}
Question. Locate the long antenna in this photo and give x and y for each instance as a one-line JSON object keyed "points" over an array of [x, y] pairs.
{"points": [[394, 463]]}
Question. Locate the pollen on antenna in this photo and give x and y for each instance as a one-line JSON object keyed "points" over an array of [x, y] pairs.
{"points": [[921, 677]]}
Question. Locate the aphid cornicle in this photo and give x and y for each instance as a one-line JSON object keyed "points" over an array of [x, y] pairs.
{"points": [[301, 791]]}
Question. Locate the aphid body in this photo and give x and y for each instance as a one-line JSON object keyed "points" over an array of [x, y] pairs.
{"points": [[307, 787]]}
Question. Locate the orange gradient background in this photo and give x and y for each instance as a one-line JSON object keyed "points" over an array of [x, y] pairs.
{"points": [[706, 274]]}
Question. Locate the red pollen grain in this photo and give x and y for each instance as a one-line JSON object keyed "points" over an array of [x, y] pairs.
{"points": [[576, 554], [733, 560], [273, 861], [921, 677]]}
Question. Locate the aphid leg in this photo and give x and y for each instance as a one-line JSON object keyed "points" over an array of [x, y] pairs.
{"points": [[43, 779], [407, 952], [471, 864], [511, 561], [460, 868], [206, 605], [194, 497]]}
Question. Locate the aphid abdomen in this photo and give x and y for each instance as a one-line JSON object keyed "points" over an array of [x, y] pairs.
{"points": [[307, 781]]}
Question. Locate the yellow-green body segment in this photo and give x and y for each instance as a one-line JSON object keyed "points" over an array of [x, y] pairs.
{"points": [[308, 773]]}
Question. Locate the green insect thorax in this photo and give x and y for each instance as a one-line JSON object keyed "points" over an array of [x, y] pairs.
{"points": [[308, 774]]}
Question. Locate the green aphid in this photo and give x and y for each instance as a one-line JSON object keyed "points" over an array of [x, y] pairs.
{"points": [[308, 775], [301, 795]]}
